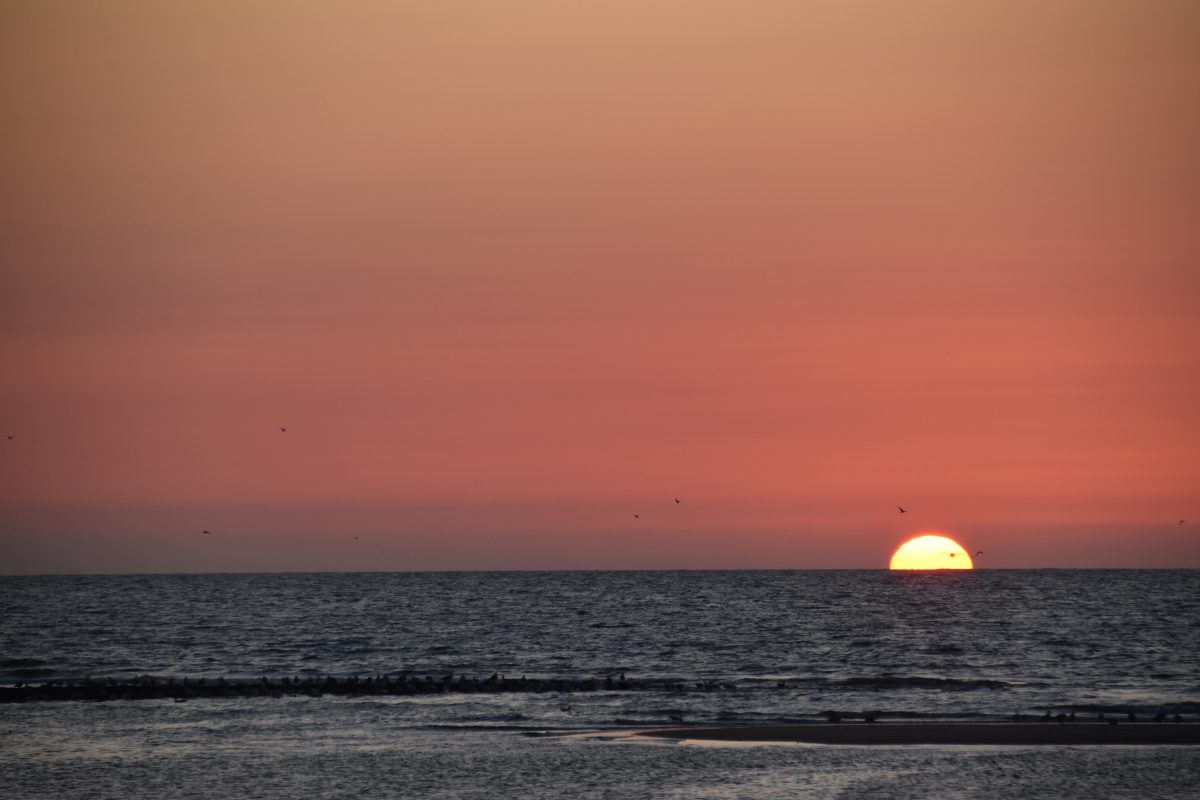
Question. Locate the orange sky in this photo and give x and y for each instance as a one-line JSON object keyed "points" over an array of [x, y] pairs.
{"points": [[513, 272]]}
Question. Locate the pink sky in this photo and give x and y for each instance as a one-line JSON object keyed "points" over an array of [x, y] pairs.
{"points": [[513, 272]]}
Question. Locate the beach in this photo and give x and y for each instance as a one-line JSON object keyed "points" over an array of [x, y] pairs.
{"points": [[540, 685], [944, 733], [337, 747]]}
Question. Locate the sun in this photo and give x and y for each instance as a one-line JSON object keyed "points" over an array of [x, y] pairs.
{"points": [[931, 551]]}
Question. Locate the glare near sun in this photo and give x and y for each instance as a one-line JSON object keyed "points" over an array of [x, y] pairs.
{"points": [[931, 551]]}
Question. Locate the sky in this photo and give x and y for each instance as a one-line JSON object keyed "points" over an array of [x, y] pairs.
{"points": [[512, 273]]}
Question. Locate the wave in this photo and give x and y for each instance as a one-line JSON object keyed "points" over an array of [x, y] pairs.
{"points": [[893, 682], [18, 663], [27, 673], [22, 669]]}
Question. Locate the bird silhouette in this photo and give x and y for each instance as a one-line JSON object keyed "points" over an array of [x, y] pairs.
{"points": [[635, 516], [13, 436], [1180, 521], [206, 533], [677, 500], [902, 509], [282, 429], [978, 553]]}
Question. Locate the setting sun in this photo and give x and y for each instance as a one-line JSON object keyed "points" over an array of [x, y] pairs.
{"points": [[931, 552]]}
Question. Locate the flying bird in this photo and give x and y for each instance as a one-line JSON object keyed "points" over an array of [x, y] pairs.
{"points": [[206, 533], [902, 509], [13, 436], [1180, 521], [978, 553], [282, 429], [635, 516], [677, 500]]}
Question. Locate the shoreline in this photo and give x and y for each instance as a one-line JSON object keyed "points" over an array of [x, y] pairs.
{"points": [[942, 733]]}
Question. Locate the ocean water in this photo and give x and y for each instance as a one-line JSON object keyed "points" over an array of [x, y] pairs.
{"points": [[745, 646]]}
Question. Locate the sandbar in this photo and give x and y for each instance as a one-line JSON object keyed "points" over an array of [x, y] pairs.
{"points": [[945, 733]]}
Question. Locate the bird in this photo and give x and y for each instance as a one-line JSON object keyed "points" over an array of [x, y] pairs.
{"points": [[978, 553], [677, 500], [282, 429], [1180, 521], [13, 436], [206, 533], [902, 509], [635, 516]]}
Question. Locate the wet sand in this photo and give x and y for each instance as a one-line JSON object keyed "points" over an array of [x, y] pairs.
{"points": [[947, 733]]}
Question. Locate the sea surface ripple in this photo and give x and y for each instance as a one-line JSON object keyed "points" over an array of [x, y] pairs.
{"points": [[740, 645]]}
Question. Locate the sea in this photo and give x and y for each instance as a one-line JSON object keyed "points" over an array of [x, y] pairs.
{"points": [[653, 649]]}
